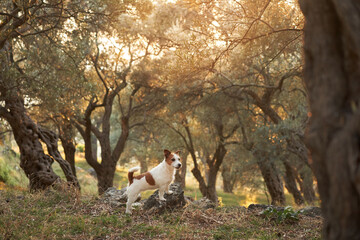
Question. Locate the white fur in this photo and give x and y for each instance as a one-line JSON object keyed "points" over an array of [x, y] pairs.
{"points": [[163, 175], [134, 169]]}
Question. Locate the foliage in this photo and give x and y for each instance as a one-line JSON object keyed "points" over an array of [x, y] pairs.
{"points": [[10, 172], [287, 215], [80, 148]]}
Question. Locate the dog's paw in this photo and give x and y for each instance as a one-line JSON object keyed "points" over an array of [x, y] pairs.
{"points": [[169, 192], [162, 199], [128, 212]]}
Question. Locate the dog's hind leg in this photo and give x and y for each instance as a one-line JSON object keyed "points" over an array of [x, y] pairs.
{"points": [[131, 198]]}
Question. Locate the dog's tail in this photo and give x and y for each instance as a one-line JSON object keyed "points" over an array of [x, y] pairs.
{"points": [[131, 174]]}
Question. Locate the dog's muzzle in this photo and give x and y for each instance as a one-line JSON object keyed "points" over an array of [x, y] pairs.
{"points": [[178, 166]]}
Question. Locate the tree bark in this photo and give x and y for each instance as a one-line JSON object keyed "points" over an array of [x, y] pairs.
{"points": [[183, 170], [143, 164], [307, 184], [228, 183], [180, 175], [290, 183], [209, 189], [268, 171], [94, 146], [50, 139], [69, 151], [35, 163], [66, 138], [332, 73], [271, 177]]}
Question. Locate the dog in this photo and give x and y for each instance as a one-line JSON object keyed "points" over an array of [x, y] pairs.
{"points": [[159, 177]]}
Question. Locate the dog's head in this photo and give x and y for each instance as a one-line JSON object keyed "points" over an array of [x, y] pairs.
{"points": [[173, 159]]}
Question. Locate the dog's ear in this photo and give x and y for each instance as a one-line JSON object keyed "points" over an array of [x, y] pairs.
{"points": [[167, 153], [178, 152]]}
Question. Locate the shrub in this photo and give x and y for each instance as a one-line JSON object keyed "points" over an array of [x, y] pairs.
{"points": [[4, 172], [286, 215], [80, 148]]}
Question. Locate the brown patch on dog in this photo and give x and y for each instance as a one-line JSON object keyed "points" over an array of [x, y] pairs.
{"points": [[166, 153], [168, 156], [148, 177], [168, 159], [130, 177]]}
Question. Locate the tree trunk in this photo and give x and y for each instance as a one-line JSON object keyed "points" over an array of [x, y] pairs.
{"points": [[211, 187], [69, 151], [307, 184], [105, 170], [180, 175], [108, 167], [35, 163], [228, 186], [228, 183], [183, 170], [143, 165], [272, 179], [106, 177], [290, 183], [94, 146], [332, 73], [65, 135], [51, 140], [207, 190]]}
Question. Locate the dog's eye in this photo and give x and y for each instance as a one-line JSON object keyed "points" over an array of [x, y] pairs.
{"points": [[173, 159]]}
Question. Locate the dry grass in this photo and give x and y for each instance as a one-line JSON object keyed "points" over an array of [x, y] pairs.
{"points": [[54, 215]]}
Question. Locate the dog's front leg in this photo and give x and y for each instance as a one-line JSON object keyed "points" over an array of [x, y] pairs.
{"points": [[161, 194], [167, 189]]}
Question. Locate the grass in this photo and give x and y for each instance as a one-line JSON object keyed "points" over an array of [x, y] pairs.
{"points": [[67, 215], [56, 215]]}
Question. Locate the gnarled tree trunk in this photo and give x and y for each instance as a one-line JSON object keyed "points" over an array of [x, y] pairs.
{"points": [[69, 151], [332, 76], [209, 189], [67, 142], [228, 179], [271, 177], [273, 181], [307, 184], [35, 163], [290, 183]]}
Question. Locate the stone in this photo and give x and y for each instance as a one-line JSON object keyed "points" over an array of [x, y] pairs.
{"points": [[174, 200], [257, 207], [92, 172], [115, 197], [204, 203], [311, 211]]}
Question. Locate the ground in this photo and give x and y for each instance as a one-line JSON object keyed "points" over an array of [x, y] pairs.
{"points": [[66, 215]]}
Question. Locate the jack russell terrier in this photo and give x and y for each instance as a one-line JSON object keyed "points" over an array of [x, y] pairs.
{"points": [[158, 177]]}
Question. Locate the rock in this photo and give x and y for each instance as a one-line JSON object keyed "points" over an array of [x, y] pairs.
{"points": [[173, 200], [189, 199], [204, 203], [20, 197], [261, 207], [92, 172], [311, 211], [116, 198]]}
